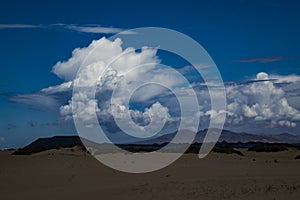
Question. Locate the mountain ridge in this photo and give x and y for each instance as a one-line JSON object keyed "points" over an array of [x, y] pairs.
{"points": [[232, 137], [226, 136]]}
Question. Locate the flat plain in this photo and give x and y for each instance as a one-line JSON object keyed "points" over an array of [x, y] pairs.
{"points": [[70, 173]]}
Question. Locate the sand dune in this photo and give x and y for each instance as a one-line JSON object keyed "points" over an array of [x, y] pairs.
{"points": [[73, 174]]}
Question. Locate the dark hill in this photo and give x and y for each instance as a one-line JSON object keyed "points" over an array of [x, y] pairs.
{"points": [[235, 139], [43, 144]]}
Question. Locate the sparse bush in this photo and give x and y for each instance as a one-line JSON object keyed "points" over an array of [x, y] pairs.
{"points": [[136, 149], [193, 150], [268, 148], [227, 149], [29, 151]]}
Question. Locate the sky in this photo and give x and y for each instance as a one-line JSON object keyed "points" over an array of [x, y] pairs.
{"points": [[255, 45]]}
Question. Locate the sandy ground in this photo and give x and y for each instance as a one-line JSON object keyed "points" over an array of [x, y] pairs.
{"points": [[66, 174]]}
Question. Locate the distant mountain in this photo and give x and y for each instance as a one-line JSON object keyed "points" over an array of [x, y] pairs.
{"points": [[55, 142], [231, 137], [43, 144]]}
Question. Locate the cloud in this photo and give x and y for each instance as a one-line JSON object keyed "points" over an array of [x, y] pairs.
{"points": [[64, 87], [97, 29], [67, 70], [291, 86], [189, 68], [31, 123], [95, 58], [84, 28], [18, 26], [36, 101], [260, 60], [47, 99], [256, 101], [286, 123], [266, 101], [260, 101], [285, 79], [11, 126]]}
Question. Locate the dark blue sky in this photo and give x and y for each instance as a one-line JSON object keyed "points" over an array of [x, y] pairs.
{"points": [[243, 38]]}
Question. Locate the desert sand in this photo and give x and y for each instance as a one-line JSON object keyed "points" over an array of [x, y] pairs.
{"points": [[70, 173]]}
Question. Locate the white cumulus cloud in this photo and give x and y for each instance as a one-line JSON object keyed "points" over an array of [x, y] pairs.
{"points": [[94, 60], [268, 100], [261, 100]]}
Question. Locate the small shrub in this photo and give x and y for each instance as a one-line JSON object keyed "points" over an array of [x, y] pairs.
{"points": [[297, 157], [268, 148], [137, 149], [193, 150], [227, 150], [29, 150]]}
